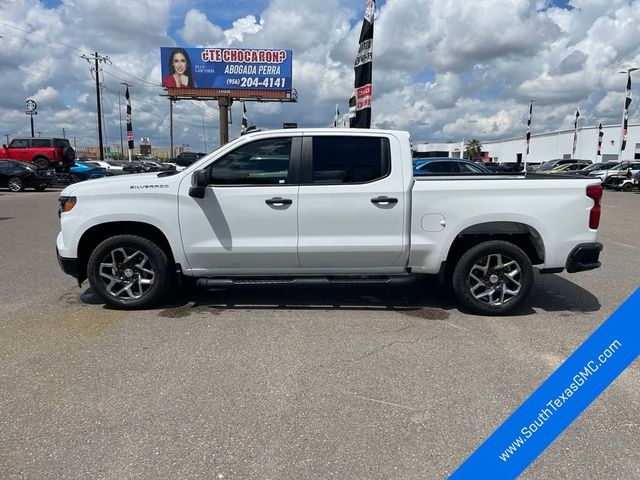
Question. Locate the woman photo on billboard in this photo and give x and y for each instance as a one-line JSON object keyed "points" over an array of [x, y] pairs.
{"points": [[179, 70]]}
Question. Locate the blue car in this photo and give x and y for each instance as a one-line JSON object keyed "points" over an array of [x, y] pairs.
{"points": [[85, 171], [446, 165]]}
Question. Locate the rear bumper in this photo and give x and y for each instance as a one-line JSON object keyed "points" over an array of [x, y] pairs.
{"points": [[584, 257]]}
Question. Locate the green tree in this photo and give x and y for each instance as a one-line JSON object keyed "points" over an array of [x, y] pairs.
{"points": [[473, 149]]}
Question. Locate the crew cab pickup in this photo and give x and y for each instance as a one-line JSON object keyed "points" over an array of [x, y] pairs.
{"points": [[325, 205]]}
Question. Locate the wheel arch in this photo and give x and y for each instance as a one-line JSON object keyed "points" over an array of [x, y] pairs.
{"points": [[526, 237], [96, 234]]}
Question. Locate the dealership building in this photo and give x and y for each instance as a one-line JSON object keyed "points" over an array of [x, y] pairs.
{"points": [[547, 146]]}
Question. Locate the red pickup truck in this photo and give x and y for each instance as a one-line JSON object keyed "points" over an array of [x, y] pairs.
{"points": [[43, 152]]}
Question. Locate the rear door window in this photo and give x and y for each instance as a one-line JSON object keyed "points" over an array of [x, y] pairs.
{"points": [[40, 142], [339, 160]]}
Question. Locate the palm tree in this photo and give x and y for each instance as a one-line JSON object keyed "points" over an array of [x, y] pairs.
{"points": [[473, 149]]}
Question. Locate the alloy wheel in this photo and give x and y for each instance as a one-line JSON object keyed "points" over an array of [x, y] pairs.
{"points": [[495, 279], [127, 273]]}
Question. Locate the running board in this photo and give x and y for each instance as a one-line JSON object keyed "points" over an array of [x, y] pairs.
{"points": [[272, 282]]}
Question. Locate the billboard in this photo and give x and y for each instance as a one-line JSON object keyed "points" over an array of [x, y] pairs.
{"points": [[226, 68]]}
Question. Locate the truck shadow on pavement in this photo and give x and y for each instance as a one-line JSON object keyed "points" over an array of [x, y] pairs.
{"points": [[424, 298]]}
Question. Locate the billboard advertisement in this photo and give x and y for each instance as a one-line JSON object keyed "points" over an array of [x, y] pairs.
{"points": [[226, 68]]}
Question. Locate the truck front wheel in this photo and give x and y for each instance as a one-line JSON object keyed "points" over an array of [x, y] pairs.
{"points": [[493, 278], [129, 271]]}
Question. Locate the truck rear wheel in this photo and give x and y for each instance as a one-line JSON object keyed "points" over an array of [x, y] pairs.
{"points": [[493, 278], [129, 271]]}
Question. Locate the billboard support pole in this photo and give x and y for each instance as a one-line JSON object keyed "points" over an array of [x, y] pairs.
{"points": [[171, 155], [223, 107]]}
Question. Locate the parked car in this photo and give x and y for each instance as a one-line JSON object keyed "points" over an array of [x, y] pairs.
{"points": [[567, 167], [85, 171], [185, 159], [446, 165], [495, 167], [44, 152], [17, 176], [110, 167], [552, 164], [176, 167], [593, 167], [617, 171], [622, 177]]}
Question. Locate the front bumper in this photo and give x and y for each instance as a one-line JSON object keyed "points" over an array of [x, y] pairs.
{"points": [[68, 265], [584, 257]]}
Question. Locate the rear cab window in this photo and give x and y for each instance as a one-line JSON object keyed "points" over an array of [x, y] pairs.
{"points": [[344, 159]]}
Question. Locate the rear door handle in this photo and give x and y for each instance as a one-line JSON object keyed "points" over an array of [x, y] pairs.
{"points": [[384, 200], [278, 201]]}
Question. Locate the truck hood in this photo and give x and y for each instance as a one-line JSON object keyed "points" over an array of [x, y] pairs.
{"points": [[123, 183]]}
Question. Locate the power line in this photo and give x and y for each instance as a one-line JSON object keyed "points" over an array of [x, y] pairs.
{"points": [[140, 100], [43, 37], [130, 82], [132, 75]]}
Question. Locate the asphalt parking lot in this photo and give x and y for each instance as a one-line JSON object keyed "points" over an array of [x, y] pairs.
{"points": [[293, 383]]}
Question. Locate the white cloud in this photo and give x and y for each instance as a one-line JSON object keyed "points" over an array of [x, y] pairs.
{"points": [[199, 31], [242, 27]]}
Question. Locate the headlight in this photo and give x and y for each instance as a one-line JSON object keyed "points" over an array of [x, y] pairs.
{"points": [[66, 204]]}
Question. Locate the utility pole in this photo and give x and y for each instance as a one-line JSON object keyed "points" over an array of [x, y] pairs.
{"points": [[96, 57], [64, 133]]}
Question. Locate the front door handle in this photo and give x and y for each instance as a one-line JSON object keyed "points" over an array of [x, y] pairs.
{"points": [[384, 200], [278, 201]]}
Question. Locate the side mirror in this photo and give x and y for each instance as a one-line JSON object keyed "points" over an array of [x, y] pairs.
{"points": [[199, 182], [4, 145]]}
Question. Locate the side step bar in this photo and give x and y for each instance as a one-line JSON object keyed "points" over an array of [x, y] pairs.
{"points": [[272, 282]]}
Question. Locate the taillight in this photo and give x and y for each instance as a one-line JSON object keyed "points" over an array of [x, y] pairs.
{"points": [[594, 192]]}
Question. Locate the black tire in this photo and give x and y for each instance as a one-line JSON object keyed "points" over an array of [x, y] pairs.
{"points": [[493, 278], [40, 188], [69, 153], [15, 184], [627, 187], [129, 272], [41, 162]]}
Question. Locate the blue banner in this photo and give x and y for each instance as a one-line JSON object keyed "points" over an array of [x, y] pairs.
{"points": [[226, 68], [560, 399]]}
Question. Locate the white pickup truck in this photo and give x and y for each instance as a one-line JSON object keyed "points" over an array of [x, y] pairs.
{"points": [[325, 205]]}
